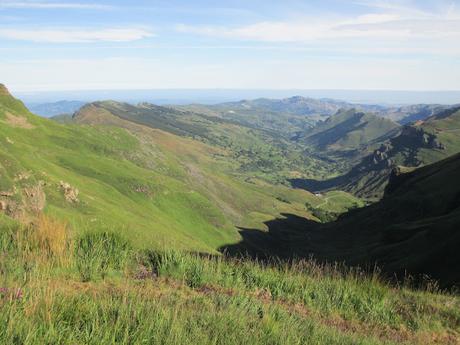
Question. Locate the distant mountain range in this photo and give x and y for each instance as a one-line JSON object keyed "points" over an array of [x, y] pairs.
{"points": [[299, 106], [215, 96]]}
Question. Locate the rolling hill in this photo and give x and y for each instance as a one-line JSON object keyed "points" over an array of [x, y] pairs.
{"points": [[297, 114], [258, 151], [297, 105]]}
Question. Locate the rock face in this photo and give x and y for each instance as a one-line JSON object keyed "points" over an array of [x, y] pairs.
{"points": [[70, 193]]}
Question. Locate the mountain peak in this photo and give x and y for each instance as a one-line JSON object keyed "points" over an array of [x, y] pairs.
{"points": [[4, 91]]}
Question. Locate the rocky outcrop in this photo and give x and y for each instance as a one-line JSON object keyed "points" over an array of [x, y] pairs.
{"points": [[10, 202], [23, 203], [70, 193], [35, 198]]}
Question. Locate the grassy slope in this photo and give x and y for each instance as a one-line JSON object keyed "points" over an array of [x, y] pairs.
{"points": [[98, 289], [165, 190]]}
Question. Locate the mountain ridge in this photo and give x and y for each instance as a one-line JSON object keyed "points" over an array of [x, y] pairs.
{"points": [[349, 130]]}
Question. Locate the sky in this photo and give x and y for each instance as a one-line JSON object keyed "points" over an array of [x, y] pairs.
{"points": [[234, 44]]}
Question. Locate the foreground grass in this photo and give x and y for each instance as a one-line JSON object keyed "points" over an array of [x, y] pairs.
{"points": [[97, 289]]}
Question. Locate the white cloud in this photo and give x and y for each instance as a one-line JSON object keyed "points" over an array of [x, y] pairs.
{"points": [[68, 35], [387, 23], [368, 26], [52, 5]]}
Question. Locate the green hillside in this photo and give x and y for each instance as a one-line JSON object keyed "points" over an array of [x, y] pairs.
{"points": [[164, 189]]}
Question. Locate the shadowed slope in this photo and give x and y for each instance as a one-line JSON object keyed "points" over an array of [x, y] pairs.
{"points": [[414, 228]]}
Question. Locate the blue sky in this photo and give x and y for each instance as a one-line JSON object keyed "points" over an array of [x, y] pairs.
{"points": [[362, 44]]}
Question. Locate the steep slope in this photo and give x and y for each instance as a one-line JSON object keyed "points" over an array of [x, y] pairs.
{"points": [[349, 130], [414, 228], [164, 189]]}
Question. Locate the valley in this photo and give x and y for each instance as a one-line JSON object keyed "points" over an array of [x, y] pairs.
{"points": [[281, 209]]}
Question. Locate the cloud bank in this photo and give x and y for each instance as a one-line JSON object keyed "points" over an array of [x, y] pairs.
{"points": [[69, 35]]}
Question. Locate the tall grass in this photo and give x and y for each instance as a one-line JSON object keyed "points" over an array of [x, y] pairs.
{"points": [[97, 289], [51, 238], [325, 289], [98, 252]]}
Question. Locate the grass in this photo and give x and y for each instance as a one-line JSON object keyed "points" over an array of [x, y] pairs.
{"points": [[104, 290]]}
